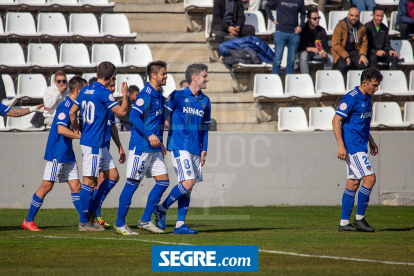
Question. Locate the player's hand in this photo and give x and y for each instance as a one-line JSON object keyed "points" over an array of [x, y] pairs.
{"points": [[298, 30], [341, 152], [363, 59], [154, 141], [122, 156], [163, 151], [374, 148], [124, 88], [203, 155], [40, 106], [47, 109]]}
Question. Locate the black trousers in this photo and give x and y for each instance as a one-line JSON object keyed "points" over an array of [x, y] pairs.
{"points": [[391, 60], [221, 31], [354, 56], [405, 29]]}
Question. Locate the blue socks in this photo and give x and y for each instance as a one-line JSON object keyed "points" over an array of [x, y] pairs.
{"points": [[34, 207], [348, 200], [98, 211], [183, 203], [76, 202], [363, 199], [85, 202], [154, 198], [125, 200], [104, 189], [176, 192]]}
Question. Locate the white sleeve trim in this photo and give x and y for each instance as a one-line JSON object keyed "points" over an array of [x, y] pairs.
{"points": [[76, 102], [207, 122], [62, 123], [167, 107], [342, 113], [137, 109], [113, 104]]}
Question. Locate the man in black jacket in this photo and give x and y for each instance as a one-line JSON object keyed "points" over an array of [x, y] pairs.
{"points": [[133, 92], [228, 19], [313, 44], [379, 48]]}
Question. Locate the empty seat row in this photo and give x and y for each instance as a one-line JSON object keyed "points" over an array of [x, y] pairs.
{"points": [[73, 55], [54, 24], [47, 3]]}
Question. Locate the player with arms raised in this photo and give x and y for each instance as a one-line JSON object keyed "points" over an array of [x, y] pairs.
{"points": [[351, 126]]}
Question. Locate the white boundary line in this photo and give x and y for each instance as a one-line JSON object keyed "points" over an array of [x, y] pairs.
{"points": [[260, 250]]}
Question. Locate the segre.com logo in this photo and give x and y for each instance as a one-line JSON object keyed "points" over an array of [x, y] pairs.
{"points": [[205, 258]]}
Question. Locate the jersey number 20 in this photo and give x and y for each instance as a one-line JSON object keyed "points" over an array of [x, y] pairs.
{"points": [[88, 112]]}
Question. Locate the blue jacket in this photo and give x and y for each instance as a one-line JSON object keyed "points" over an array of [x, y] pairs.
{"points": [[250, 42], [402, 13]]}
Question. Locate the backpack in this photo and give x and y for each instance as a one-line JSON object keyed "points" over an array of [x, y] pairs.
{"points": [[247, 56]]}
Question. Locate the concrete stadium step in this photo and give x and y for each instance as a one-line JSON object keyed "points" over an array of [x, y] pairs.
{"points": [[263, 127], [148, 7], [170, 37], [230, 97], [234, 113], [179, 52], [155, 23]]}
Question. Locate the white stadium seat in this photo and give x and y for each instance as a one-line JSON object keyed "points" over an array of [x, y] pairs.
{"points": [[320, 118], [209, 22], [21, 24], [411, 84], [330, 82], [88, 76], [106, 52], [366, 16], [130, 79], [75, 55], [198, 4], [84, 24], [8, 3], [33, 2], [116, 25], [404, 50], [271, 26], [387, 2], [393, 19], [387, 114], [293, 119], [353, 79], [409, 113], [11, 55], [2, 33], [8, 86], [97, 3], [42, 55], [137, 55], [334, 18], [169, 87], [31, 85], [205, 6], [3, 127], [22, 123], [300, 86], [394, 83], [67, 3], [256, 19], [52, 24]]}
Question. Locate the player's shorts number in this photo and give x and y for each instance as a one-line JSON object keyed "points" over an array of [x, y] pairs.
{"points": [[88, 112], [365, 160], [186, 164]]}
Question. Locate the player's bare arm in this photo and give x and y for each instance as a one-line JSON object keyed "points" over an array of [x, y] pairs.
{"points": [[23, 111], [336, 124], [372, 146], [62, 130], [117, 141], [73, 114], [121, 110]]}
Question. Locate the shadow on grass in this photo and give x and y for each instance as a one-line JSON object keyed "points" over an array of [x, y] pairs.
{"points": [[396, 229]]}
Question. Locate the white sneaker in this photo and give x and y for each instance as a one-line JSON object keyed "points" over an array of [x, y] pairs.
{"points": [[150, 227], [124, 230]]}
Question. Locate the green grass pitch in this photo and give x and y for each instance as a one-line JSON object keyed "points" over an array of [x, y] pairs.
{"points": [[60, 249]]}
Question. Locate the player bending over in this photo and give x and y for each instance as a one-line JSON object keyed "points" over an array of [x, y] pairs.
{"points": [[351, 126], [190, 112], [146, 150], [61, 164]]}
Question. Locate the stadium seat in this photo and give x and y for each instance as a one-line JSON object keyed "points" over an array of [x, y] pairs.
{"points": [[42, 55], [66, 3], [330, 82], [97, 3], [387, 2], [68, 77], [137, 55], [11, 55], [334, 18], [404, 50], [394, 83], [37, 3], [320, 118], [271, 26], [366, 16], [393, 20], [205, 6], [169, 87], [283, 63], [22, 123], [209, 22], [88, 76], [21, 24], [411, 84], [116, 25], [52, 24], [293, 119], [130, 79], [106, 52], [31, 86], [84, 25], [8, 3], [2, 33], [3, 127], [409, 113], [353, 79], [256, 19], [387, 114], [75, 55], [267, 86], [8, 86], [300, 86]]}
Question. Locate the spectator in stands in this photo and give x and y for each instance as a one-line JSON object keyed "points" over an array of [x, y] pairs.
{"points": [[349, 43], [54, 95], [362, 5], [183, 84], [313, 43], [379, 47], [405, 18], [287, 30], [133, 92], [228, 19]]}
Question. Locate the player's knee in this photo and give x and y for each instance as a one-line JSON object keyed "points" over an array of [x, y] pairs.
{"points": [[46, 186], [114, 175], [369, 182], [189, 184]]}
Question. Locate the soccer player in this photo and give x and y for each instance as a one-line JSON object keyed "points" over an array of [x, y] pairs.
{"points": [[94, 101], [351, 126], [61, 165], [146, 150], [18, 112], [190, 112]]}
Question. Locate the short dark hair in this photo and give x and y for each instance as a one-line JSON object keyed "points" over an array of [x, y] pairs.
{"points": [[308, 14], [60, 73], [106, 70], [85, 82], [132, 89], [182, 82], [194, 69], [92, 80], [76, 82], [155, 66], [371, 74], [378, 8]]}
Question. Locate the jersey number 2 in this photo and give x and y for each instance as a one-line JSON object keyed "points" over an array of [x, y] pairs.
{"points": [[88, 112], [365, 160]]}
